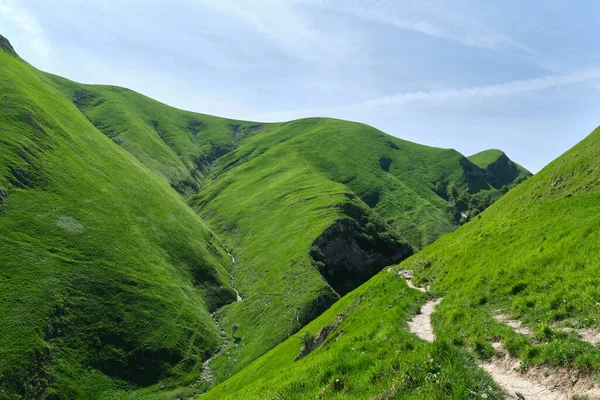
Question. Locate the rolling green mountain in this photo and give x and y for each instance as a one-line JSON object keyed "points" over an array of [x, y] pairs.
{"points": [[275, 198], [138, 240], [107, 276], [532, 257]]}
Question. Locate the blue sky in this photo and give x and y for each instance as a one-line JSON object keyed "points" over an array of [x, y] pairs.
{"points": [[521, 76]]}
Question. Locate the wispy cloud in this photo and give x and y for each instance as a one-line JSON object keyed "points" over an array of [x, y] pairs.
{"points": [[507, 89], [15, 12], [435, 19], [425, 23]]}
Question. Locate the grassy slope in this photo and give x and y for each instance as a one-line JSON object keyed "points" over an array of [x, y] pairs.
{"points": [[532, 255], [104, 267], [486, 157], [369, 355], [181, 147], [278, 191]]}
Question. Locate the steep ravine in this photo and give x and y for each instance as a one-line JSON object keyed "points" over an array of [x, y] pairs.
{"points": [[207, 374]]}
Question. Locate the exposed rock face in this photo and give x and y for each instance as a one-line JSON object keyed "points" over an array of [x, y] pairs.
{"points": [[347, 254], [312, 343]]}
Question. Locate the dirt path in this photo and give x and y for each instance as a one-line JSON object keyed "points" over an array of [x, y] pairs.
{"points": [[537, 383], [420, 325], [513, 383], [408, 275]]}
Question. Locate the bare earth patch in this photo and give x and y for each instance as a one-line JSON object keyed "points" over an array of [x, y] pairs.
{"points": [[513, 323], [590, 335], [538, 383]]}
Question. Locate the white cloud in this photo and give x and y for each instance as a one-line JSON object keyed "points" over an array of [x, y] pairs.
{"points": [[514, 88], [17, 14]]}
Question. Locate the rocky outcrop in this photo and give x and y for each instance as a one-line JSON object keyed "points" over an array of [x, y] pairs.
{"points": [[350, 252], [311, 343], [6, 46]]}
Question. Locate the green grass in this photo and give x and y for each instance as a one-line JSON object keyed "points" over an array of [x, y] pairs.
{"points": [[270, 190], [178, 146], [104, 267], [532, 255], [369, 355], [484, 158]]}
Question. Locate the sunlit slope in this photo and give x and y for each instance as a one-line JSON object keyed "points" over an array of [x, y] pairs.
{"points": [[275, 190], [363, 350], [107, 277], [179, 146], [420, 190], [310, 209], [532, 256]]}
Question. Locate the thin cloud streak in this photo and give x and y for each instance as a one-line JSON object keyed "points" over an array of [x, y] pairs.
{"points": [[514, 88], [441, 24]]}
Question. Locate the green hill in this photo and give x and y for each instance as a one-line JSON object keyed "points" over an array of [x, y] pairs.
{"points": [[110, 271], [178, 146], [275, 196], [107, 277], [531, 256]]}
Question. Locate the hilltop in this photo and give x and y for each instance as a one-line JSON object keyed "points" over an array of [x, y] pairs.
{"points": [[149, 251], [502, 171]]}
